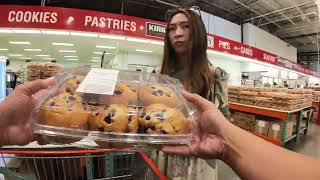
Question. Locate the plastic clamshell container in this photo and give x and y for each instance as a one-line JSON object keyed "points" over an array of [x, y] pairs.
{"points": [[144, 109]]}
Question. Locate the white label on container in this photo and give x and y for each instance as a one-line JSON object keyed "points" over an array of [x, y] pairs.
{"points": [[261, 123], [276, 127], [99, 81]]}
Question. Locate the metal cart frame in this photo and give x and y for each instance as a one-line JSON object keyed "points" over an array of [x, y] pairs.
{"points": [[78, 164]]}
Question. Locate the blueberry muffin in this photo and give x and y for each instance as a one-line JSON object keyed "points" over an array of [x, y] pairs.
{"points": [[114, 118], [154, 93], [71, 85], [65, 110], [161, 119]]}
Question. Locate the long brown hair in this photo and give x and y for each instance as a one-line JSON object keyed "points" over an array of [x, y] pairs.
{"points": [[197, 78]]}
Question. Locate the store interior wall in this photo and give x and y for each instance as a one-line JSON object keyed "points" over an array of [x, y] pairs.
{"points": [[256, 37], [221, 27], [233, 68]]}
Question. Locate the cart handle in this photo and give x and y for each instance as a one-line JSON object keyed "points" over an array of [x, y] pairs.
{"points": [[152, 165]]}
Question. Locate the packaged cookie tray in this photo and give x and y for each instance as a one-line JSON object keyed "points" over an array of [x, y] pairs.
{"points": [[144, 109]]}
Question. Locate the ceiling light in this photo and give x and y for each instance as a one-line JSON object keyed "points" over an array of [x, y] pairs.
{"points": [[112, 37], [6, 31], [26, 31], [96, 57], [157, 42], [15, 55], [42, 55], [25, 58], [55, 32], [138, 40], [19, 42], [106, 47], [32, 50], [71, 51], [95, 60], [84, 34], [3, 49], [62, 44], [72, 59], [143, 50], [100, 53], [70, 56], [48, 58]]}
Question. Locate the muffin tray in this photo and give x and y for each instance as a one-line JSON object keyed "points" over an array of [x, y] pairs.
{"points": [[115, 109]]}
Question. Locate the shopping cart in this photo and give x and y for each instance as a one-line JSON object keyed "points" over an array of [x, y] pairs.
{"points": [[77, 164]]}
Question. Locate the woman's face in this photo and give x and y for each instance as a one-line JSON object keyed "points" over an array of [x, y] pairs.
{"points": [[179, 33]]}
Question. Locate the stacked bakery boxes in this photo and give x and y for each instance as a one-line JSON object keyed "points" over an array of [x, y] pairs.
{"points": [[262, 126], [273, 98], [41, 70]]}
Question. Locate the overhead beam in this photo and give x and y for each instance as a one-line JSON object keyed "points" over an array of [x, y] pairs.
{"points": [[301, 12], [277, 11], [300, 36], [220, 7], [279, 20], [249, 8]]}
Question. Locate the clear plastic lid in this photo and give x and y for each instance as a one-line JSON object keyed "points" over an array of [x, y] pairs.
{"points": [[143, 109]]}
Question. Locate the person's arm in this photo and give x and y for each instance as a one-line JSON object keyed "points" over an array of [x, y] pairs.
{"points": [[249, 156], [253, 158], [16, 109]]}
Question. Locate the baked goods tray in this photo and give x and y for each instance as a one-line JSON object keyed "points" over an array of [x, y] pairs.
{"points": [[113, 107]]}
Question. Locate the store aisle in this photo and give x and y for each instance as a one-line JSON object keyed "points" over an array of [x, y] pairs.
{"points": [[309, 145]]}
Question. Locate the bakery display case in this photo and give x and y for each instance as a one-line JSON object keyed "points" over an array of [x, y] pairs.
{"points": [[139, 109]]}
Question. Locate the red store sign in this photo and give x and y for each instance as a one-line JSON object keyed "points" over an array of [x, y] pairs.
{"points": [[83, 20], [78, 20]]}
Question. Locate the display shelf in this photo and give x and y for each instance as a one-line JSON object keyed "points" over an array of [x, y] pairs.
{"points": [[274, 141], [303, 129], [281, 115], [290, 138]]}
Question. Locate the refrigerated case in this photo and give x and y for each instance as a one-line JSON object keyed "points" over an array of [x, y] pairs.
{"points": [[2, 78]]}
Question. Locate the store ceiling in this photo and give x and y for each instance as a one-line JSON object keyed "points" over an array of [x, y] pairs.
{"points": [[41, 47], [295, 21]]}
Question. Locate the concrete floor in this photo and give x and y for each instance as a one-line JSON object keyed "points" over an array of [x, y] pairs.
{"points": [[309, 145]]}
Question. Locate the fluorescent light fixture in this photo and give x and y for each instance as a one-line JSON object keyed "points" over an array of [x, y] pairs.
{"points": [[48, 58], [106, 47], [55, 32], [157, 42], [112, 37], [71, 51], [14, 55], [84, 34], [72, 59], [71, 56], [95, 60], [19, 42], [26, 31], [100, 53], [143, 50], [6, 31], [33, 50], [42, 55], [138, 40], [3, 49], [96, 57], [25, 58], [62, 44]]}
